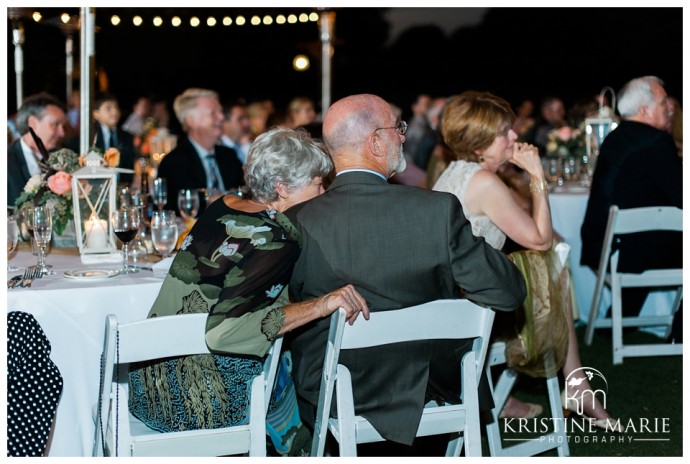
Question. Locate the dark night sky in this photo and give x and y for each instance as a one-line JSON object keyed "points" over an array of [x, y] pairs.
{"points": [[514, 52]]}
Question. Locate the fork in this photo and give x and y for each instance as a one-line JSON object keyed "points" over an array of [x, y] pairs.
{"points": [[35, 273], [27, 274]]}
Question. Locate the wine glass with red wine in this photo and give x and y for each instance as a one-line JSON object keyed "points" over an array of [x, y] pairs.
{"points": [[125, 224]]}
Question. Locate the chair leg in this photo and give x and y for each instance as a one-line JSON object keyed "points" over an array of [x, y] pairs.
{"points": [[346, 413], [470, 398], [617, 320]]}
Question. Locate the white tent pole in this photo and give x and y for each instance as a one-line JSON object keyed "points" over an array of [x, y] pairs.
{"points": [[18, 41], [86, 78], [69, 63], [327, 26]]}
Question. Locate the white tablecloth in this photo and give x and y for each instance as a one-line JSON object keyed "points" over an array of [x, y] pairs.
{"points": [[72, 314], [567, 214]]}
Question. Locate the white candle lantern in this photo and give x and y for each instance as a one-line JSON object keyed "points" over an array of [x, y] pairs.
{"points": [[93, 199], [597, 128]]}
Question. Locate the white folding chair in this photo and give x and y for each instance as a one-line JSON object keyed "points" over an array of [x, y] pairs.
{"points": [[442, 319], [628, 221], [557, 439], [122, 434]]}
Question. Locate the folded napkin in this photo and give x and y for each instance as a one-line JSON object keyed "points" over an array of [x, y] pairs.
{"points": [[160, 269], [99, 258]]}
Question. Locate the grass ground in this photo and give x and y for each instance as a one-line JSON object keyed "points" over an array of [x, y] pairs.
{"points": [[648, 388]]}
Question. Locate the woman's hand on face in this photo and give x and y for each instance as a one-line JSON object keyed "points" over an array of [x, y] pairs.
{"points": [[346, 297], [526, 156]]}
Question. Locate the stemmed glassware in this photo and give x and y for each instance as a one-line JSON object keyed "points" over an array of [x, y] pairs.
{"points": [[126, 224], [164, 232], [188, 203], [12, 237], [159, 192], [41, 223]]}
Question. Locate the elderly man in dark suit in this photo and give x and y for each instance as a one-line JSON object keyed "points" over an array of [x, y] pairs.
{"points": [[45, 114], [198, 160], [638, 166], [399, 246]]}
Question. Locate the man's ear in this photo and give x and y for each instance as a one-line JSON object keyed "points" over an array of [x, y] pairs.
{"points": [[374, 144]]}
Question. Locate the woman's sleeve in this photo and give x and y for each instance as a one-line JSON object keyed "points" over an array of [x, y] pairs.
{"points": [[245, 334]]}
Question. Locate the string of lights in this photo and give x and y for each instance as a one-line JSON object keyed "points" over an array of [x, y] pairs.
{"points": [[196, 21]]}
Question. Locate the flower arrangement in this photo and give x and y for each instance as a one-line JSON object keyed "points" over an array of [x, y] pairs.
{"points": [[566, 141], [53, 185]]}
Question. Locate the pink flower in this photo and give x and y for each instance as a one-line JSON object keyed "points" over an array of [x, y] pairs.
{"points": [[60, 183], [566, 133]]}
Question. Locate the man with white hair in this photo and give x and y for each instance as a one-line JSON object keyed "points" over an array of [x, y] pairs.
{"points": [[637, 166], [199, 161]]}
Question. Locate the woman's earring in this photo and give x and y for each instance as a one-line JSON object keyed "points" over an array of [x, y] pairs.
{"points": [[481, 159]]}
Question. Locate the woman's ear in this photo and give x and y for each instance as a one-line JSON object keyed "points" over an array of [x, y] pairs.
{"points": [[281, 190]]}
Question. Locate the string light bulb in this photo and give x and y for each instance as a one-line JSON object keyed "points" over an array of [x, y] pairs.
{"points": [[194, 21], [176, 21], [280, 19], [268, 20], [240, 21], [137, 21], [211, 21], [158, 21], [115, 20], [300, 63], [37, 16], [64, 17], [227, 21]]}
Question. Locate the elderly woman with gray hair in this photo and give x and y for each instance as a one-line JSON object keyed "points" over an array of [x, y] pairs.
{"points": [[235, 264]]}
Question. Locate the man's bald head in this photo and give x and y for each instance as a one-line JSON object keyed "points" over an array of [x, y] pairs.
{"points": [[349, 132]]}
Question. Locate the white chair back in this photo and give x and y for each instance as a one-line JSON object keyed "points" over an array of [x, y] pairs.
{"points": [[441, 319], [164, 337], [622, 222]]}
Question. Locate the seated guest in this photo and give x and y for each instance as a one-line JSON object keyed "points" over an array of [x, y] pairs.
{"points": [[45, 114], [235, 264], [477, 126], [34, 386], [106, 114], [638, 166], [199, 161], [300, 112], [399, 246], [236, 130]]}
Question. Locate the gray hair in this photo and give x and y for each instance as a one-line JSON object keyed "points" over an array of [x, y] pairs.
{"points": [[636, 94], [185, 103], [288, 156], [35, 105]]}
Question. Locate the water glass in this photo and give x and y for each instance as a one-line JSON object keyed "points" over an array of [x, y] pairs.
{"points": [[164, 232], [12, 238], [42, 227], [188, 203], [159, 192]]}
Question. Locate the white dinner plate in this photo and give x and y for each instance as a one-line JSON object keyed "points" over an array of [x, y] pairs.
{"points": [[91, 274]]}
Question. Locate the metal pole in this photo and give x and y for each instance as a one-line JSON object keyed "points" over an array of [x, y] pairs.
{"points": [[86, 78], [327, 23], [18, 41]]}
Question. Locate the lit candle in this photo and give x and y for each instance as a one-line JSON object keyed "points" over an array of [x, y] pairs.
{"points": [[96, 233]]}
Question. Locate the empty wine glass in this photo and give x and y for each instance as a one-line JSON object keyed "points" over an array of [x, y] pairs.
{"points": [[159, 192], [12, 237], [42, 226], [164, 232], [188, 203], [126, 224]]}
